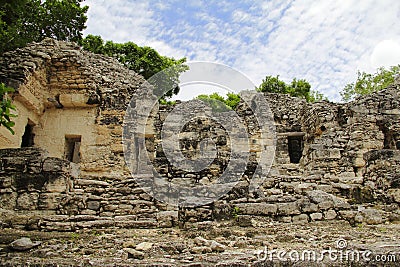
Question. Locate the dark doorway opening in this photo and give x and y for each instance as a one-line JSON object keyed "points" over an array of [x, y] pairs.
{"points": [[72, 147], [28, 136], [295, 147]]}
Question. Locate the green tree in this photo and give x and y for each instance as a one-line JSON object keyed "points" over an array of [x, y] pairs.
{"points": [[367, 83], [232, 100], [24, 21], [297, 88], [93, 43], [215, 101], [220, 104], [143, 60], [6, 108], [273, 85]]}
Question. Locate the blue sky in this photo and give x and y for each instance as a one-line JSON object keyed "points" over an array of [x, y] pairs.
{"points": [[324, 42]]}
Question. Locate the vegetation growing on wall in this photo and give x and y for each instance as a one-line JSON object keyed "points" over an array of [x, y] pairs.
{"points": [[6, 108], [297, 88], [367, 83], [219, 103]]}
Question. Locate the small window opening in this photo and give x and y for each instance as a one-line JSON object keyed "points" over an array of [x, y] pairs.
{"points": [[28, 136], [72, 147], [398, 144], [295, 147], [389, 141]]}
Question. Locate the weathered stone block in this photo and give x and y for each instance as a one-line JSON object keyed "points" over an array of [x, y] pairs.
{"points": [[351, 180], [309, 207], [317, 216], [8, 201], [55, 165], [167, 218], [330, 214], [93, 205], [27, 201], [327, 154], [50, 201], [134, 254], [325, 205], [57, 185], [299, 219], [257, 208], [288, 208], [12, 164], [125, 207], [244, 220], [370, 216], [334, 153], [395, 194], [5, 182], [318, 196], [340, 203], [285, 219], [110, 207], [348, 214], [88, 212], [304, 187]]}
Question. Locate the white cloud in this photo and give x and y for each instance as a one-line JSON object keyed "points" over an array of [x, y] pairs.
{"points": [[120, 20], [386, 53], [325, 42]]}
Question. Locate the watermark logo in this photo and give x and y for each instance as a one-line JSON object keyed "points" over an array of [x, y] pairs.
{"points": [[184, 192], [341, 243]]}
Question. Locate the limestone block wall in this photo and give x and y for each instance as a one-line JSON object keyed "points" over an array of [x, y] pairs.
{"points": [[382, 176], [331, 180], [64, 93], [42, 192], [32, 183], [292, 192], [333, 161]]}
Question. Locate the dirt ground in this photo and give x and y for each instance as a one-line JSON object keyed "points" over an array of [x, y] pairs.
{"points": [[335, 243]]}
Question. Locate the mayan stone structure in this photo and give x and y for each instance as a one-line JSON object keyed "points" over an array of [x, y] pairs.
{"points": [[64, 168]]}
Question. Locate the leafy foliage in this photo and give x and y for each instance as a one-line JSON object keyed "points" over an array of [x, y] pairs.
{"points": [[315, 96], [273, 85], [143, 60], [232, 100], [297, 88], [367, 83], [6, 108], [24, 21], [167, 102], [218, 103], [235, 212]]}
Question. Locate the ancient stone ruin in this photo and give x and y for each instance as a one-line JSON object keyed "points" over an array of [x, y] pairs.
{"points": [[64, 168]]}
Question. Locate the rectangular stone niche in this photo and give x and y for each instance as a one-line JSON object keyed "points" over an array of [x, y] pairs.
{"points": [[295, 148], [72, 147], [28, 136]]}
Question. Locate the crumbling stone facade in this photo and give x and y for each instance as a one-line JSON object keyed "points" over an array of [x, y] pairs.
{"points": [[332, 161], [68, 99]]}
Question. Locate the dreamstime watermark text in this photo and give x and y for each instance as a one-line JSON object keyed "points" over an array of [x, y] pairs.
{"points": [[339, 254]]}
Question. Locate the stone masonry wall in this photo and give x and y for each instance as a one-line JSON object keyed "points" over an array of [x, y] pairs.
{"points": [[63, 91], [332, 161], [317, 188]]}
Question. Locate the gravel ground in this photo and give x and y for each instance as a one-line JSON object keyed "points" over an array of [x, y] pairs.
{"points": [[335, 243]]}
